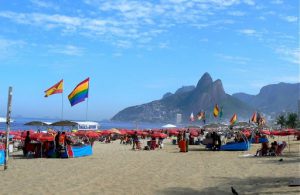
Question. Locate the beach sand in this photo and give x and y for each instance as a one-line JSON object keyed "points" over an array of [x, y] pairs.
{"points": [[116, 169]]}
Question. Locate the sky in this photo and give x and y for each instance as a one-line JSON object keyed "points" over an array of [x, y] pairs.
{"points": [[135, 51]]}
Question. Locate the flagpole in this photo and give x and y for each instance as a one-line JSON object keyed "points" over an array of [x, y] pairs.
{"points": [[87, 108], [62, 106]]}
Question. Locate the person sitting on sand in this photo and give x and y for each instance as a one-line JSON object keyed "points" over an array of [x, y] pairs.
{"points": [[264, 149], [273, 148]]}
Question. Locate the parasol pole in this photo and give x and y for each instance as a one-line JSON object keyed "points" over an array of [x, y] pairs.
{"points": [[8, 126], [289, 143]]}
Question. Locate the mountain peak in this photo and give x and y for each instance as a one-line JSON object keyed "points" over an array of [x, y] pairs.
{"points": [[218, 89], [185, 89], [205, 81]]}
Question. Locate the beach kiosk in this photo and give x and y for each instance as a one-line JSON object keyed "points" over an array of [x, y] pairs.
{"points": [[87, 126]]}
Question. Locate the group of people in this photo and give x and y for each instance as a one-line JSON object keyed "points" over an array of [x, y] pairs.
{"points": [[135, 141], [59, 144], [275, 149]]}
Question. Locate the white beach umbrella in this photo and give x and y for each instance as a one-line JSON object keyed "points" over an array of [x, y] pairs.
{"points": [[168, 126]]}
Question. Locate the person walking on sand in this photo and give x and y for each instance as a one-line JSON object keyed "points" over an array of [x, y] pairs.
{"points": [[187, 139], [135, 140]]}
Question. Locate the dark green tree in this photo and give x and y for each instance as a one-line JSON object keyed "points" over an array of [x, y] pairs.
{"points": [[292, 120], [281, 120]]}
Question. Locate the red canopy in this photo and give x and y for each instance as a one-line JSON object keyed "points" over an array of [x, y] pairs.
{"points": [[159, 135], [266, 132], [284, 132], [173, 132], [89, 134], [46, 137]]}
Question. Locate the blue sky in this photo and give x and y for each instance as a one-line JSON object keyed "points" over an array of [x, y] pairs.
{"points": [[136, 51]]}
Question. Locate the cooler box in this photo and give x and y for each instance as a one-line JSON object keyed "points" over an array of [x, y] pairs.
{"points": [[182, 145], [2, 157]]}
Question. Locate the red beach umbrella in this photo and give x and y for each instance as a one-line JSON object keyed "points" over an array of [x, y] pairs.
{"points": [[46, 137], [159, 135]]}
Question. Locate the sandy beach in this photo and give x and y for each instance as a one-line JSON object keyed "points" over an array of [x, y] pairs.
{"points": [[116, 169]]}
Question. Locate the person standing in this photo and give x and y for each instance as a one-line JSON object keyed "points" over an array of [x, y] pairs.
{"points": [[187, 139], [26, 143], [135, 140], [57, 146]]}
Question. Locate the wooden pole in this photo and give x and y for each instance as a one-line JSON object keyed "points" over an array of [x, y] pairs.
{"points": [[8, 116]]}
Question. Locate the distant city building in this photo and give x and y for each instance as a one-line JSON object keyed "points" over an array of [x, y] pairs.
{"points": [[178, 118]]}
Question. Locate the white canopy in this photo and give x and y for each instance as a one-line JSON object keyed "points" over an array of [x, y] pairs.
{"points": [[168, 126]]}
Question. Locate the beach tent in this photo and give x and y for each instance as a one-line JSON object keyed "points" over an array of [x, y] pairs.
{"points": [[168, 126]]}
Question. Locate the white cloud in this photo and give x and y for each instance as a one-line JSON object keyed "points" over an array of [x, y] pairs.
{"points": [[233, 59], [237, 13], [249, 2], [10, 48], [134, 21], [277, 2], [123, 44], [44, 4], [290, 18], [291, 55], [70, 50], [248, 32]]}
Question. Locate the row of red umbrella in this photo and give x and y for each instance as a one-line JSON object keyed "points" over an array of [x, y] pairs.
{"points": [[283, 132]]}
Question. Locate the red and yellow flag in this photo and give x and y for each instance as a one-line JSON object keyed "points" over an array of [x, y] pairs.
{"points": [[233, 119], [254, 117], [216, 110], [57, 88]]}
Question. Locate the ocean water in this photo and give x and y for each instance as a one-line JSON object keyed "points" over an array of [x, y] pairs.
{"points": [[18, 124]]}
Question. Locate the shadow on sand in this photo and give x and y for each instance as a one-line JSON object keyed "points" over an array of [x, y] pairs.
{"points": [[249, 185]]}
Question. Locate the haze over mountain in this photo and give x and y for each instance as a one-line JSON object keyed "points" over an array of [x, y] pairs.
{"points": [[186, 100], [273, 98]]}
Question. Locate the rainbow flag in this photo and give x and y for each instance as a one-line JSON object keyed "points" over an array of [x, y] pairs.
{"points": [[233, 119], [79, 93], [201, 115], [216, 110], [57, 88]]}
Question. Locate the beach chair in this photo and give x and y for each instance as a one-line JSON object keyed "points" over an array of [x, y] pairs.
{"points": [[280, 148]]}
